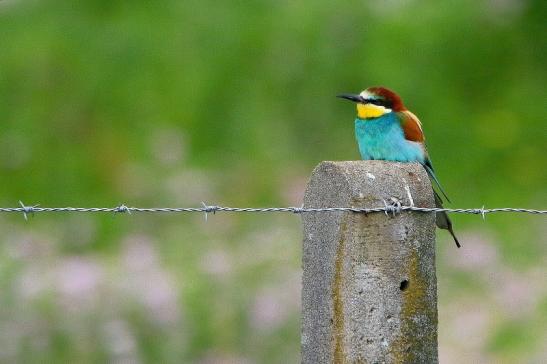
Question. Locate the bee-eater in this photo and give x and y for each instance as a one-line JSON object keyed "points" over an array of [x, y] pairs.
{"points": [[386, 130]]}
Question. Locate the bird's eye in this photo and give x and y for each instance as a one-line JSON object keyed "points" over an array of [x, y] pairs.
{"points": [[374, 101]]}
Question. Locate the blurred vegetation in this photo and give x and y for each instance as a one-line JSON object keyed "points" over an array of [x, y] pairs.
{"points": [[178, 102]]}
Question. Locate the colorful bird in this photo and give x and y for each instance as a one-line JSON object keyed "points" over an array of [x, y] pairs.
{"points": [[386, 130]]}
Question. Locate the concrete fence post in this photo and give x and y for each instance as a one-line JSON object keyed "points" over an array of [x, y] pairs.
{"points": [[369, 290]]}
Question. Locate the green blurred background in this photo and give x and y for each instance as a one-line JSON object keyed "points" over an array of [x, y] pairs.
{"points": [[171, 103]]}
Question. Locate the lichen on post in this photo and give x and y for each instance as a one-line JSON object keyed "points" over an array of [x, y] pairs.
{"points": [[369, 287]]}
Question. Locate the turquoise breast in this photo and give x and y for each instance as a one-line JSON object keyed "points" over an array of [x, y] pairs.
{"points": [[383, 138]]}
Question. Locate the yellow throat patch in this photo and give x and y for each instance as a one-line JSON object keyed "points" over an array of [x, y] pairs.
{"points": [[366, 111]]}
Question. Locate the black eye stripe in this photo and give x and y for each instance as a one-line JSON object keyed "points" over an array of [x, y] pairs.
{"points": [[378, 102], [373, 101]]}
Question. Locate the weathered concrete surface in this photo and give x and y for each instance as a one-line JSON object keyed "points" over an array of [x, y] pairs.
{"points": [[369, 286]]}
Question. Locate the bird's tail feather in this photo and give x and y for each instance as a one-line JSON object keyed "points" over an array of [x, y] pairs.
{"points": [[442, 219], [431, 174]]}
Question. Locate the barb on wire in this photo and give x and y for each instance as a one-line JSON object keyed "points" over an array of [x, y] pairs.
{"points": [[122, 209], [393, 206], [26, 209], [298, 210], [208, 209]]}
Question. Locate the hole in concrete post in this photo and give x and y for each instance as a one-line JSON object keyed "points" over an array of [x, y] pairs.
{"points": [[404, 285]]}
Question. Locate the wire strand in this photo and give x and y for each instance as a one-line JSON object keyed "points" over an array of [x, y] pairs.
{"points": [[206, 209]]}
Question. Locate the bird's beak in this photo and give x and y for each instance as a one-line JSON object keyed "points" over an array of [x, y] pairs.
{"points": [[351, 97]]}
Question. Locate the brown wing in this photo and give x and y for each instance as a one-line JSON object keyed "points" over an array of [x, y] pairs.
{"points": [[412, 129], [411, 126]]}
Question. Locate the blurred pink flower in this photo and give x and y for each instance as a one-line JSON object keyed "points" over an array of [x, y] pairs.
{"points": [[77, 280], [224, 358], [33, 282], [464, 331], [479, 253], [139, 253], [518, 294], [292, 190], [147, 282], [217, 263], [27, 246], [120, 342], [168, 146], [189, 187], [273, 305]]}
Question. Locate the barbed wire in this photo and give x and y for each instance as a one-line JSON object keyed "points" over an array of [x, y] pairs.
{"points": [[392, 207]]}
